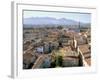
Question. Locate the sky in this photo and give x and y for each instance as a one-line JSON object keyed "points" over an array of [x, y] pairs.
{"points": [[83, 17]]}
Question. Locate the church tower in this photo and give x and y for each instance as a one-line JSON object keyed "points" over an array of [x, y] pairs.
{"points": [[74, 43], [79, 26]]}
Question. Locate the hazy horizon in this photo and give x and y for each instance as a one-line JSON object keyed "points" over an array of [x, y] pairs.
{"points": [[79, 17]]}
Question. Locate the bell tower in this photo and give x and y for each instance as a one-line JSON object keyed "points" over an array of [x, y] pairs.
{"points": [[74, 43]]}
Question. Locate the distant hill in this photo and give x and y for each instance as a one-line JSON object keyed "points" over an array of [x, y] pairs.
{"points": [[49, 21]]}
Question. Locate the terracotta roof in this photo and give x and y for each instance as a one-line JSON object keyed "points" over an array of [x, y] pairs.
{"points": [[86, 53], [88, 61], [84, 48], [27, 55], [28, 58]]}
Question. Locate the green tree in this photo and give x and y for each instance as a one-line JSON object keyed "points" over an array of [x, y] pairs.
{"points": [[60, 27], [59, 61]]}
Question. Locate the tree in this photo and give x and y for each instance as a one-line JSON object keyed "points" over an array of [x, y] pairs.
{"points": [[46, 63], [60, 43], [60, 27], [59, 61], [53, 64]]}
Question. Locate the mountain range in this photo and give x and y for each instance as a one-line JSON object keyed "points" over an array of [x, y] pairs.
{"points": [[49, 21]]}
